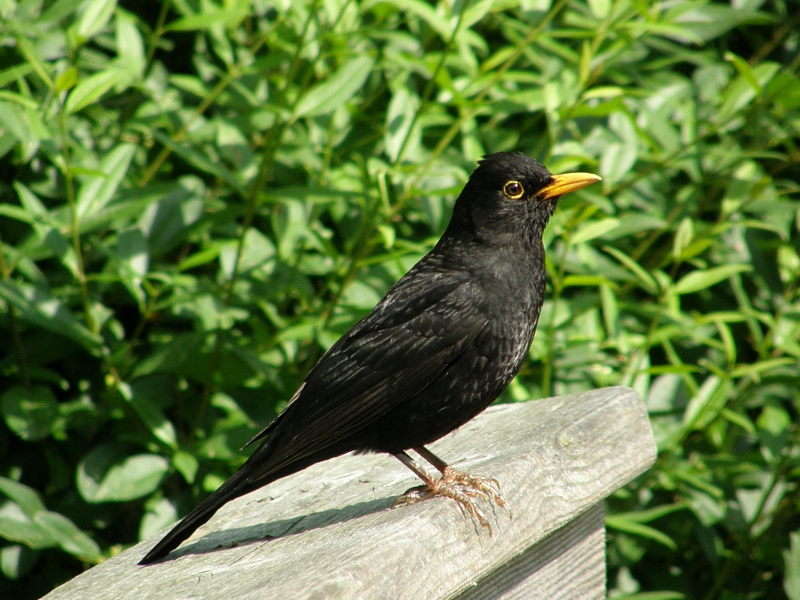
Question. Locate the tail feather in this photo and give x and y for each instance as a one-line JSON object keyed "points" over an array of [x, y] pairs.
{"points": [[255, 473], [232, 488]]}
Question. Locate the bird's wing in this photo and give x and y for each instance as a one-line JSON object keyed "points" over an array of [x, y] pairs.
{"points": [[388, 357]]}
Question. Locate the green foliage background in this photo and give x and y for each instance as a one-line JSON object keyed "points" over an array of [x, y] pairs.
{"points": [[198, 197]]}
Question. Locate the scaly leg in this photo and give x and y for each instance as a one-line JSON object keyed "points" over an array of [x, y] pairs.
{"points": [[486, 486], [461, 487]]}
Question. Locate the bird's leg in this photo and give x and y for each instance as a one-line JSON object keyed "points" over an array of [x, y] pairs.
{"points": [[463, 494], [486, 486], [422, 492]]}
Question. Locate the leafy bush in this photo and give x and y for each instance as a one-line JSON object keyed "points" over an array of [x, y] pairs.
{"points": [[196, 203]]}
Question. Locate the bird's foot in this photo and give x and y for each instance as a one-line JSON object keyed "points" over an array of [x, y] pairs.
{"points": [[414, 495], [467, 490], [466, 496], [487, 487]]}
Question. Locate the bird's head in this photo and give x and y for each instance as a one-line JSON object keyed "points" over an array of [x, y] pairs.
{"points": [[512, 193]]}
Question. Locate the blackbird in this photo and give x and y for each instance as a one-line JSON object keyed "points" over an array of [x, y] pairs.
{"points": [[440, 347]]}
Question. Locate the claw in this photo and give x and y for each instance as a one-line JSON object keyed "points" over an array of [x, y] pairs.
{"points": [[467, 490], [414, 495], [487, 487]]}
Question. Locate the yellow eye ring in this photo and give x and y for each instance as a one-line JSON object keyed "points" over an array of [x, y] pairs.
{"points": [[513, 190]]}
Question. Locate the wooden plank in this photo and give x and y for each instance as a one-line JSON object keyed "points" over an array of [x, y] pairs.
{"points": [[328, 532], [569, 564]]}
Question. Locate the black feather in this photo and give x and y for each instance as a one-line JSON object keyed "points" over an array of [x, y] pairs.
{"points": [[442, 344]]}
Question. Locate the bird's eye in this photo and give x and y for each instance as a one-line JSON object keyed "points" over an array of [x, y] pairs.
{"points": [[513, 190]]}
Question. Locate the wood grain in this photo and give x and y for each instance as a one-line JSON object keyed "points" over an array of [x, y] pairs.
{"points": [[569, 564], [329, 532]]}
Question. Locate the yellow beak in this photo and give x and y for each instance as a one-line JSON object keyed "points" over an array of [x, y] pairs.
{"points": [[568, 182]]}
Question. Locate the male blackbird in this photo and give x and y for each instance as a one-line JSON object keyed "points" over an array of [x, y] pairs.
{"points": [[440, 347]]}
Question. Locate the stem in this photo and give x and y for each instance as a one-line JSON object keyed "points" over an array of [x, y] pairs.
{"points": [[547, 359], [157, 33], [75, 225], [267, 163], [226, 80], [777, 38], [444, 142], [12, 324], [749, 543], [364, 245], [426, 93]]}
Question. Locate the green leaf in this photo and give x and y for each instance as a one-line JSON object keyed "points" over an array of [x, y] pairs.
{"points": [[201, 161], [739, 419], [31, 413], [200, 258], [210, 18], [399, 118], [256, 252], [333, 92], [587, 281], [13, 73], [171, 355], [64, 532], [745, 71], [186, 464], [48, 228], [645, 516], [41, 309], [27, 521], [15, 526], [91, 89], [17, 560], [152, 416], [107, 475], [96, 192], [15, 122], [132, 249], [67, 80], [740, 94], [473, 12], [193, 85], [621, 523], [160, 514], [647, 281], [610, 307], [791, 567], [130, 46], [707, 403], [21, 100], [593, 230], [709, 21], [94, 18], [700, 280], [667, 30], [665, 595], [419, 9], [755, 369], [683, 237], [774, 419], [26, 498], [616, 161], [600, 8]]}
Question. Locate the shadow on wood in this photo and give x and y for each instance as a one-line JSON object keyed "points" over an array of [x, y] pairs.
{"points": [[242, 536], [328, 531]]}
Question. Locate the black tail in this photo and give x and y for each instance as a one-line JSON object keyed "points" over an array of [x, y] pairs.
{"points": [[253, 474], [232, 488]]}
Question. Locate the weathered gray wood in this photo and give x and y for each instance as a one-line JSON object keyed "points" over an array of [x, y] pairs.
{"points": [[328, 532], [569, 564]]}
